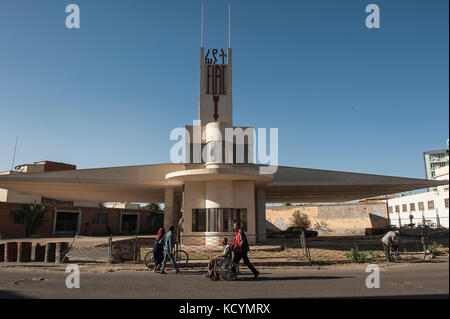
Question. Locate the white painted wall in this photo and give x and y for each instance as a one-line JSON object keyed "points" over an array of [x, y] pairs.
{"points": [[219, 194], [194, 197], [430, 215]]}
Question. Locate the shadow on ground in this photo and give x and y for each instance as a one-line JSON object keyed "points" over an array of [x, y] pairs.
{"points": [[5, 294], [261, 278]]}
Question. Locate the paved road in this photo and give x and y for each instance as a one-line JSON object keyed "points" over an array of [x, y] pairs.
{"points": [[424, 279]]}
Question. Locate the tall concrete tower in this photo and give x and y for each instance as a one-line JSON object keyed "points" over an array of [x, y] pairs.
{"points": [[216, 98], [215, 112]]}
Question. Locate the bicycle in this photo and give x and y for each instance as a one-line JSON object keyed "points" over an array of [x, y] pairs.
{"points": [[396, 250], [180, 256]]}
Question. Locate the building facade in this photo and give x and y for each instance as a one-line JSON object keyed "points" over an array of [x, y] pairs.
{"points": [[66, 218], [217, 182], [429, 209], [88, 221], [434, 160]]}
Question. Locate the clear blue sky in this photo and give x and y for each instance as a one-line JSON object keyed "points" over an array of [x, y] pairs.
{"points": [[343, 97]]}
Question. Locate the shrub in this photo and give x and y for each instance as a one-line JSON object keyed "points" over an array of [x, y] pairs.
{"points": [[356, 255], [433, 249], [300, 220], [32, 216]]}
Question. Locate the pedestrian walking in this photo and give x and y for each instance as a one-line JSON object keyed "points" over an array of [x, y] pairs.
{"points": [[241, 249], [169, 245], [158, 249]]}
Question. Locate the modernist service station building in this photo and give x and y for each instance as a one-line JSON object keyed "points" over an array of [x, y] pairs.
{"points": [[210, 194]]}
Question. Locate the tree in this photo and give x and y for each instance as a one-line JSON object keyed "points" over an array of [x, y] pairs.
{"points": [[300, 220], [32, 216], [153, 206], [287, 204]]}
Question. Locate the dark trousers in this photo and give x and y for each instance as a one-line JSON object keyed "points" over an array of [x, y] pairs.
{"points": [[158, 253], [387, 251], [237, 258]]}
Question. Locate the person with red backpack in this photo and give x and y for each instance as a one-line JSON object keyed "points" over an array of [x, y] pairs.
{"points": [[241, 248]]}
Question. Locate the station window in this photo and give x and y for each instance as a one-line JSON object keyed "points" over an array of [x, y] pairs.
{"points": [[404, 208], [390, 210], [397, 208], [430, 204], [412, 207], [199, 220], [446, 202], [218, 219]]}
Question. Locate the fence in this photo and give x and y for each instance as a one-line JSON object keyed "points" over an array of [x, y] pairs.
{"points": [[103, 249], [415, 244], [428, 219]]}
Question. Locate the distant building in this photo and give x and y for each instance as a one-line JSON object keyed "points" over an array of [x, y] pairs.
{"points": [[442, 175], [434, 160], [88, 221], [428, 208], [66, 218]]}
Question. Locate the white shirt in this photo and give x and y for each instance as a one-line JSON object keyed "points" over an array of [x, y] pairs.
{"points": [[389, 238], [227, 251]]}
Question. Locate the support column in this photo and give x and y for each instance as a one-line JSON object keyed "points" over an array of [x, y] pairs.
{"points": [[172, 208], [260, 214]]}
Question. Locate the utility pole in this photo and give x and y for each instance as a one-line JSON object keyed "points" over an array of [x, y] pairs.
{"points": [[14, 156]]}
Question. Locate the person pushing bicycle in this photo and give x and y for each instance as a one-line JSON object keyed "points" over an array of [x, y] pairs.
{"points": [[390, 241]]}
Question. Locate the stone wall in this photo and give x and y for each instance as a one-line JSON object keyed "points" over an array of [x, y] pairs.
{"points": [[339, 219]]}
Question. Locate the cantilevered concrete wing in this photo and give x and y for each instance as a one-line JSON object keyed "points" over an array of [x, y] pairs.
{"points": [[305, 185], [144, 183]]}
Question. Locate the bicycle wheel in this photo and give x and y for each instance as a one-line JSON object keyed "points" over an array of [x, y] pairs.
{"points": [[229, 270], [181, 258], [402, 251], [396, 253], [148, 260]]}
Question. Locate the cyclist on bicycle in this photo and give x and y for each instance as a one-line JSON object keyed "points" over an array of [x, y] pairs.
{"points": [[226, 253], [390, 240]]}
